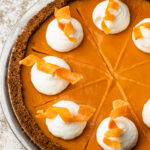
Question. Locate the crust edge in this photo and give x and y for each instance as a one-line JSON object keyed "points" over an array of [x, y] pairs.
{"points": [[15, 86]]}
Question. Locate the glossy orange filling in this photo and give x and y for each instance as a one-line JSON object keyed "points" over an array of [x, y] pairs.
{"points": [[112, 68]]}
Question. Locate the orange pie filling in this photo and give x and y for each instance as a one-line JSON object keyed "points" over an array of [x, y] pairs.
{"points": [[111, 67]]}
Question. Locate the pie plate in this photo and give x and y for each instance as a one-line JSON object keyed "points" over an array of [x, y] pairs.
{"points": [[4, 63]]}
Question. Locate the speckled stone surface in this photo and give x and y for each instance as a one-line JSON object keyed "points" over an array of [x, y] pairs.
{"points": [[10, 13]]}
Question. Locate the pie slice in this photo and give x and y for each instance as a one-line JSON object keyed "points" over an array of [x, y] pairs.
{"points": [[116, 92], [35, 98], [110, 46], [136, 73], [95, 91], [86, 53], [137, 56], [137, 101], [113, 93]]}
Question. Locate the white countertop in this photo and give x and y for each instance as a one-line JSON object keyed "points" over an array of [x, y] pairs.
{"points": [[10, 13]]}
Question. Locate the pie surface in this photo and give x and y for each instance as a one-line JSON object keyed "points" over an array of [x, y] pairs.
{"points": [[112, 68]]}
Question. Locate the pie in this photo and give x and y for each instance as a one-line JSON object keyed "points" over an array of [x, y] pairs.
{"points": [[111, 65]]}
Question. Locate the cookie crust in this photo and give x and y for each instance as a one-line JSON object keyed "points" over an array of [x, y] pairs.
{"points": [[15, 86]]}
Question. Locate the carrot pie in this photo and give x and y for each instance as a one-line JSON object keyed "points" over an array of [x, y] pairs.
{"points": [[79, 75]]}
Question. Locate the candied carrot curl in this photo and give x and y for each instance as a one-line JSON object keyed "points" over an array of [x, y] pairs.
{"points": [[119, 103], [84, 113], [137, 31], [112, 124], [61, 15], [49, 68], [116, 132], [112, 4], [120, 108], [112, 143]]}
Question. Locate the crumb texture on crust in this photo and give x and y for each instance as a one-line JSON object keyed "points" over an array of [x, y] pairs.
{"points": [[118, 72], [15, 82]]}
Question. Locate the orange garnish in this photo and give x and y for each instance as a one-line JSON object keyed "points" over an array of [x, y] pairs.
{"points": [[65, 74], [67, 27], [105, 28], [52, 112], [112, 124], [119, 103], [112, 143], [31, 60], [116, 132], [84, 113], [63, 112], [49, 68], [63, 13], [40, 114], [112, 4], [68, 30], [137, 31], [119, 109]]}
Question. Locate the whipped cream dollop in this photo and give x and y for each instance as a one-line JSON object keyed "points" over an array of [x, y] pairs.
{"points": [[46, 83], [60, 129], [122, 17], [128, 138], [146, 113], [143, 43], [57, 40]]}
